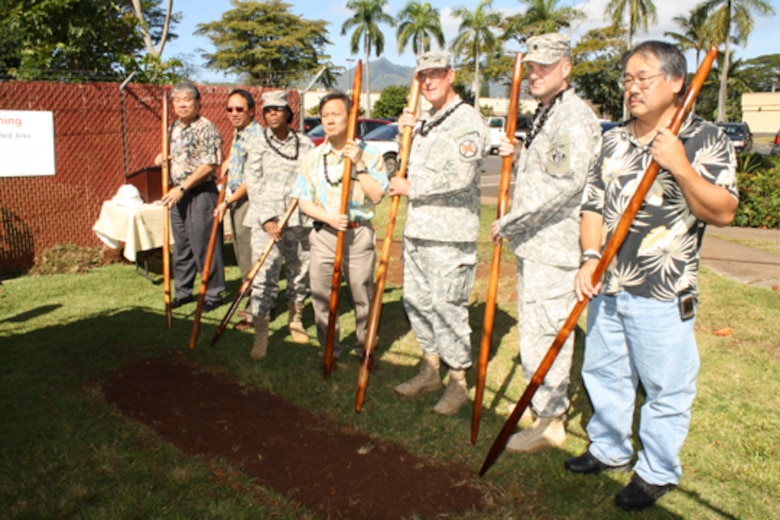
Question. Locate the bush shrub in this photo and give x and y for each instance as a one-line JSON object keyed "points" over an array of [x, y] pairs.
{"points": [[758, 181], [67, 259]]}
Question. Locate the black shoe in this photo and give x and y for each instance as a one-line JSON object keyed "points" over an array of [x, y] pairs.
{"points": [[211, 305], [587, 463], [178, 302], [639, 494]]}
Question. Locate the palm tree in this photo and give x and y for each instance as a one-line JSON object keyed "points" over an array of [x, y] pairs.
{"points": [[476, 36], [368, 14], [694, 33], [419, 23], [640, 14], [541, 17], [731, 20]]}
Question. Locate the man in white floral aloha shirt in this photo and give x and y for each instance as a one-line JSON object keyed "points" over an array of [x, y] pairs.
{"points": [[641, 316]]}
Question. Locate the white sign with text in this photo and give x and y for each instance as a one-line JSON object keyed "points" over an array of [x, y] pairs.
{"points": [[26, 143]]}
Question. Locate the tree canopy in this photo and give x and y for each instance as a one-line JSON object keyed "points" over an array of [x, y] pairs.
{"points": [[419, 24], [392, 101], [266, 43], [368, 14], [80, 40], [596, 69]]}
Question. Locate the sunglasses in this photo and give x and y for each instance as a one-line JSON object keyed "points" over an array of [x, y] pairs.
{"points": [[235, 109], [274, 109]]}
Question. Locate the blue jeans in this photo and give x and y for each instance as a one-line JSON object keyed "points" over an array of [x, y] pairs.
{"points": [[632, 339]]}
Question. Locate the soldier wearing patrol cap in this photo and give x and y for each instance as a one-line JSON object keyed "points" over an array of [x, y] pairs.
{"points": [[272, 164], [543, 230], [440, 235]]}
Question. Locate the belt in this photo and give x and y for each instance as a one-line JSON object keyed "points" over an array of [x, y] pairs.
{"points": [[351, 225]]}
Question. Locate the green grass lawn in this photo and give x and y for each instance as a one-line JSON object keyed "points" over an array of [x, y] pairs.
{"points": [[65, 453]]}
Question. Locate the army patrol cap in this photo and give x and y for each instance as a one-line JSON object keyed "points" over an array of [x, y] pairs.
{"points": [[547, 48], [276, 98], [433, 60]]}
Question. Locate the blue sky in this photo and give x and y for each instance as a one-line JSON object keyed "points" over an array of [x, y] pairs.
{"points": [[763, 40]]}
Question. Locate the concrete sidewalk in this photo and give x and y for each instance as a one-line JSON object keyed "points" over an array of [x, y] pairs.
{"points": [[741, 263]]}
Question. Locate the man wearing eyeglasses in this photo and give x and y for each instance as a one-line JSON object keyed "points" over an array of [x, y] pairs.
{"points": [[641, 314], [440, 234], [542, 228], [196, 152], [273, 160], [241, 114]]}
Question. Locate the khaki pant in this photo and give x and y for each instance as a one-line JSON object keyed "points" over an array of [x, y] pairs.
{"points": [[357, 269]]}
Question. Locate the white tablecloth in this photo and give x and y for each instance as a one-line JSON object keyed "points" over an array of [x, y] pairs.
{"points": [[139, 228]]}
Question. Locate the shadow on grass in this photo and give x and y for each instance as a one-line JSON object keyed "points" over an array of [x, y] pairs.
{"points": [[55, 425]]}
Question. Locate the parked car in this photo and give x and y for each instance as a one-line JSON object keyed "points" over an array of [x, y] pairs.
{"points": [[317, 134], [384, 138], [740, 135], [309, 123], [608, 125], [776, 146]]}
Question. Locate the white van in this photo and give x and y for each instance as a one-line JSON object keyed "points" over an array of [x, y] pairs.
{"points": [[497, 125]]}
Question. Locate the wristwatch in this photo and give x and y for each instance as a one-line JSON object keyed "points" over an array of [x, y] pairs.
{"points": [[359, 172], [589, 254]]}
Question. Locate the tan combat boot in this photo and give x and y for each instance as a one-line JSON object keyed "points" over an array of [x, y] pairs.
{"points": [[260, 345], [427, 380], [528, 417], [455, 396], [295, 323], [544, 433]]}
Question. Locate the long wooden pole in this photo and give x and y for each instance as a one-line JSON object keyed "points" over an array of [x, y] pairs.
{"points": [[492, 295], [246, 285], [166, 260], [204, 277], [346, 178], [384, 259], [621, 231]]}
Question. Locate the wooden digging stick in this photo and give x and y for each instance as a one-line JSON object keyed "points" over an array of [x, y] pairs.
{"points": [[384, 259], [246, 285], [621, 231], [166, 248], [346, 177], [204, 277], [490, 304]]}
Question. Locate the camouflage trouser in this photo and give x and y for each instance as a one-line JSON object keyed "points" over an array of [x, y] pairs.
{"points": [[438, 277], [294, 248], [545, 298]]}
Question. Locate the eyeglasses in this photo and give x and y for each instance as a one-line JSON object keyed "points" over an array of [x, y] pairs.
{"points": [[237, 110], [432, 75], [644, 82], [273, 109]]}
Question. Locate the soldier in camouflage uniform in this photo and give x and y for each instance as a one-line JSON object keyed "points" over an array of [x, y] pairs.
{"points": [[440, 235], [196, 152], [241, 113], [543, 228], [272, 165]]}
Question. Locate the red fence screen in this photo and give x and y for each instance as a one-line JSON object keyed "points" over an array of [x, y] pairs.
{"points": [[101, 136]]}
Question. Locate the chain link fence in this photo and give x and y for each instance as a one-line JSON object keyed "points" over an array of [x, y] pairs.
{"points": [[103, 134]]}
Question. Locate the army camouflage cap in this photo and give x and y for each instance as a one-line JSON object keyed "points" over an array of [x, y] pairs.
{"points": [[433, 60], [547, 48], [276, 98]]}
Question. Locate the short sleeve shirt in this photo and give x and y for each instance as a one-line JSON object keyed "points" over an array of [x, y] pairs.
{"points": [[238, 152], [659, 258], [193, 145], [319, 180]]}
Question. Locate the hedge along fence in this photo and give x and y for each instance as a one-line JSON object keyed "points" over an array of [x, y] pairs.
{"points": [[101, 135]]}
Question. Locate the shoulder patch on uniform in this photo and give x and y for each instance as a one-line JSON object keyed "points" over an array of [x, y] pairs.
{"points": [[468, 148], [558, 160]]}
